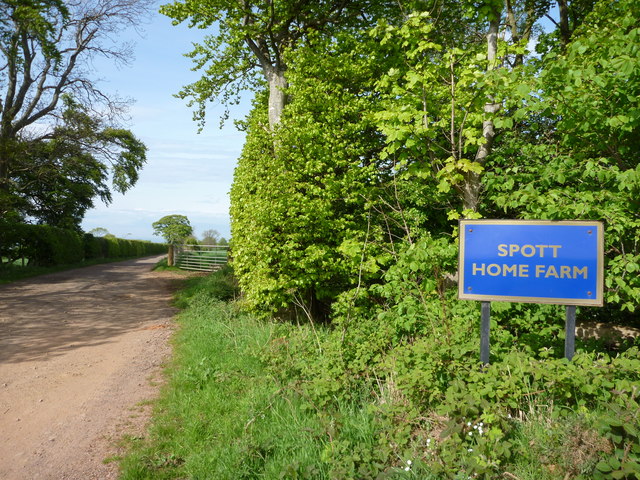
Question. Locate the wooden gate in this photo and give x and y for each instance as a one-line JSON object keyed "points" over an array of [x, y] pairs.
{"points": [[204, 258]]}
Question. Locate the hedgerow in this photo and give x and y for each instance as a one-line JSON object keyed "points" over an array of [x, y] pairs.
{"points": [[43, 245]]}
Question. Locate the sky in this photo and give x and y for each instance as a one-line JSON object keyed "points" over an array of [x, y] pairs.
{"points": [[186, 173]]}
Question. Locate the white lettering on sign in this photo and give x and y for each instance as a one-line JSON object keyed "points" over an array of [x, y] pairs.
{"points": [[522, 270], [528, 251]]}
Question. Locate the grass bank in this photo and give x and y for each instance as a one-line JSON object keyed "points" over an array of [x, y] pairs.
{"points": [[223, 414], [220, 401], [258, 399]]}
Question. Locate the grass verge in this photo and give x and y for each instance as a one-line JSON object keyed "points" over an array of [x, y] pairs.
{"points": [[256, 399], [222, 414], [220, 402]]}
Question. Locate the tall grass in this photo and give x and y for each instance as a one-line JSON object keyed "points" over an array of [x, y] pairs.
{"points": [[222, 415]]}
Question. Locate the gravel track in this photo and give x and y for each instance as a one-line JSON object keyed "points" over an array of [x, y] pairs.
{"points": [[81, 354]]}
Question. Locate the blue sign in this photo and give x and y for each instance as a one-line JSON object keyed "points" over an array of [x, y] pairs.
{"points": [[531, 261]]}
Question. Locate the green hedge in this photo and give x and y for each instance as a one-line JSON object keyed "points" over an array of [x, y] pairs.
{"points": [[44, 245], [112, 247]]}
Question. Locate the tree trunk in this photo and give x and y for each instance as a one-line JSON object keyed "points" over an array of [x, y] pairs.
{"points": [[170, 256], [565, 31], [277, 95], [5, 201], [472, 186]]}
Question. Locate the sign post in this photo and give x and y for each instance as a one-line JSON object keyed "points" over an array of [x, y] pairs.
{"points": [[570, 332], [485, 324], [531, 261]]}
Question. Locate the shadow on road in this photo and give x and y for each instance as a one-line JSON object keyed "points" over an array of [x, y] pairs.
{"points": [[50, 315]]}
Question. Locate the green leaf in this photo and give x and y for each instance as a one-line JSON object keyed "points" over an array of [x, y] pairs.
{"points": [[523, 90], [603, 466]]}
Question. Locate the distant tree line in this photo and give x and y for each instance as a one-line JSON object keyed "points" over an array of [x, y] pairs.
{"points": [[44, 245]]}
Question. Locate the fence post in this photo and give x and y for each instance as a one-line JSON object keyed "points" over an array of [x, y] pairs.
{"points": [[170, 256]]}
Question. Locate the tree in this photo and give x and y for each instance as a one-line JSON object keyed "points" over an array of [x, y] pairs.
{"points": [[252, 37], [443, 98], [45, 52], [575, 150], [174, 228], [210, 237], [99, 232], [55, 180], [300, 218]]}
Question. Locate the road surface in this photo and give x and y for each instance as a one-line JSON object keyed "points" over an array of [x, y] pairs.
{"points": [[80, 357]]}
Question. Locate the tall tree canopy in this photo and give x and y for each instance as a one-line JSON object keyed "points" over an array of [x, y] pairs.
{"points": [[46, 49], [55, 180], [174, 228], [397, 119], [248, 42]]}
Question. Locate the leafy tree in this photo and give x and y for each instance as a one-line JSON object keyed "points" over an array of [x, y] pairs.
{"points": [[174, 228], [45, 48], [190, 240], [250, 42], [99, 232], [300, 217], [575, 151], [56, 180], [441, 100]]}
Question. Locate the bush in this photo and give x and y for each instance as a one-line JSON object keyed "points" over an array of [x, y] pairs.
{"points": [[220, 285], [113, 246], [92, 246]]}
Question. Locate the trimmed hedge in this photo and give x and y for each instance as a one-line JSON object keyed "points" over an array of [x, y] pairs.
{"points": [[44, 245], [112, 247]]}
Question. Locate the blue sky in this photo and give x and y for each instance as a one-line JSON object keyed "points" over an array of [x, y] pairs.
{"points": [[186, 173]]}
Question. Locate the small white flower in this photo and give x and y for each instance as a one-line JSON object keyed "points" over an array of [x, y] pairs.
{"points": [[470, 450], [471, 434], [428, 441], [481, 424], [475, 427], [406, 469], [468, 424], [409, 462]]}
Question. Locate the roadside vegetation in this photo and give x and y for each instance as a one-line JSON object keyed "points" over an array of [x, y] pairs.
{"points": [[375, 127], [251, 398], [31, 250]]}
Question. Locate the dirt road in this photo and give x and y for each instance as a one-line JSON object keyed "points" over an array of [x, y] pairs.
{"points": [[80, 356]]}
